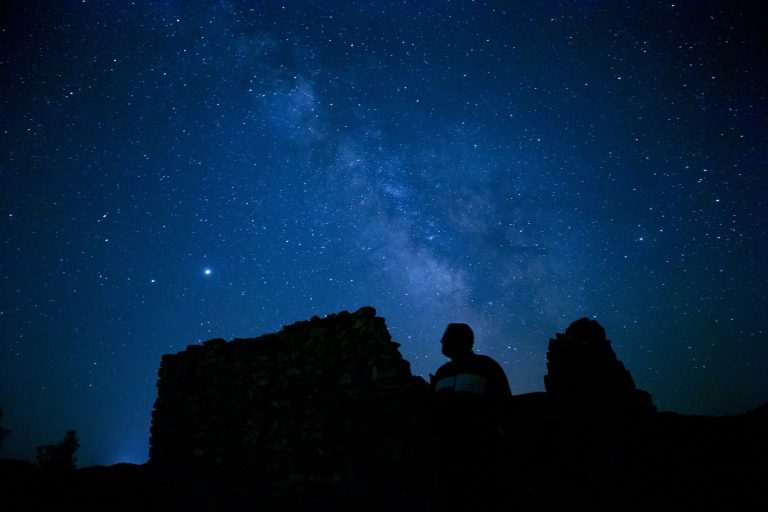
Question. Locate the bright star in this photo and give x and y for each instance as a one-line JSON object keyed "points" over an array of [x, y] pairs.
{"points": [[207, 271]]}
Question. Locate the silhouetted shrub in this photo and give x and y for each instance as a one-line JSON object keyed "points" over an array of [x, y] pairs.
{"points": [[60, 456]]}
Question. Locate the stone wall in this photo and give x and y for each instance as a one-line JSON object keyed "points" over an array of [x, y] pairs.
{"points": [[585, 378], [324, 400]]}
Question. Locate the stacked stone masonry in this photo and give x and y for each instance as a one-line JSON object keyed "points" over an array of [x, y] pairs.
{"points": [[320, 401]]}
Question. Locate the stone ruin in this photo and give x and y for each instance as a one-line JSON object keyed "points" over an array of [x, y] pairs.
{"points": [[330, 403], [586, 379], [323, 401]]}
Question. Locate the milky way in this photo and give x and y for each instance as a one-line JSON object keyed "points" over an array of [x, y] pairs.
{"points": [[177, 171]]}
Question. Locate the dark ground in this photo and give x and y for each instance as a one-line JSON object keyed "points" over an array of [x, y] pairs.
{"points": [[669, 460]]}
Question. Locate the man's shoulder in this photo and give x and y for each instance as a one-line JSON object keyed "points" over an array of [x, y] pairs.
{"points": [[494, 371], [446, 369], [487, 361]]}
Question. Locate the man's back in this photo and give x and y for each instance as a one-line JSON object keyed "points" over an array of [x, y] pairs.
{"points": [[470, 393], [469, 401], [475, 373]]}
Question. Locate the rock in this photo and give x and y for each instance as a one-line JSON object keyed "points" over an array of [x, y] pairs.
{"points": [[586, 378], [325, 400]]}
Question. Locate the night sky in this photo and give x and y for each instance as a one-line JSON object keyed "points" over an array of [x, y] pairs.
{"points": [[177, 171]]}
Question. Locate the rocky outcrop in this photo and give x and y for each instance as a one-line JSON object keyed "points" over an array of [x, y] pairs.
{"points": [[323, 401], [586, 379]]}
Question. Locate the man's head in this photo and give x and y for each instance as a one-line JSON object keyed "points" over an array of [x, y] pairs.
{"points": [[458, 340]]}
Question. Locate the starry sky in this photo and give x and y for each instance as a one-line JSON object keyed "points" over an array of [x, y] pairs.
{"points": [[176, 171]]}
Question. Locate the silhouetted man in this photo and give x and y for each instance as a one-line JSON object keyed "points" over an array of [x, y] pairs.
{"points": [[469, 402]]}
